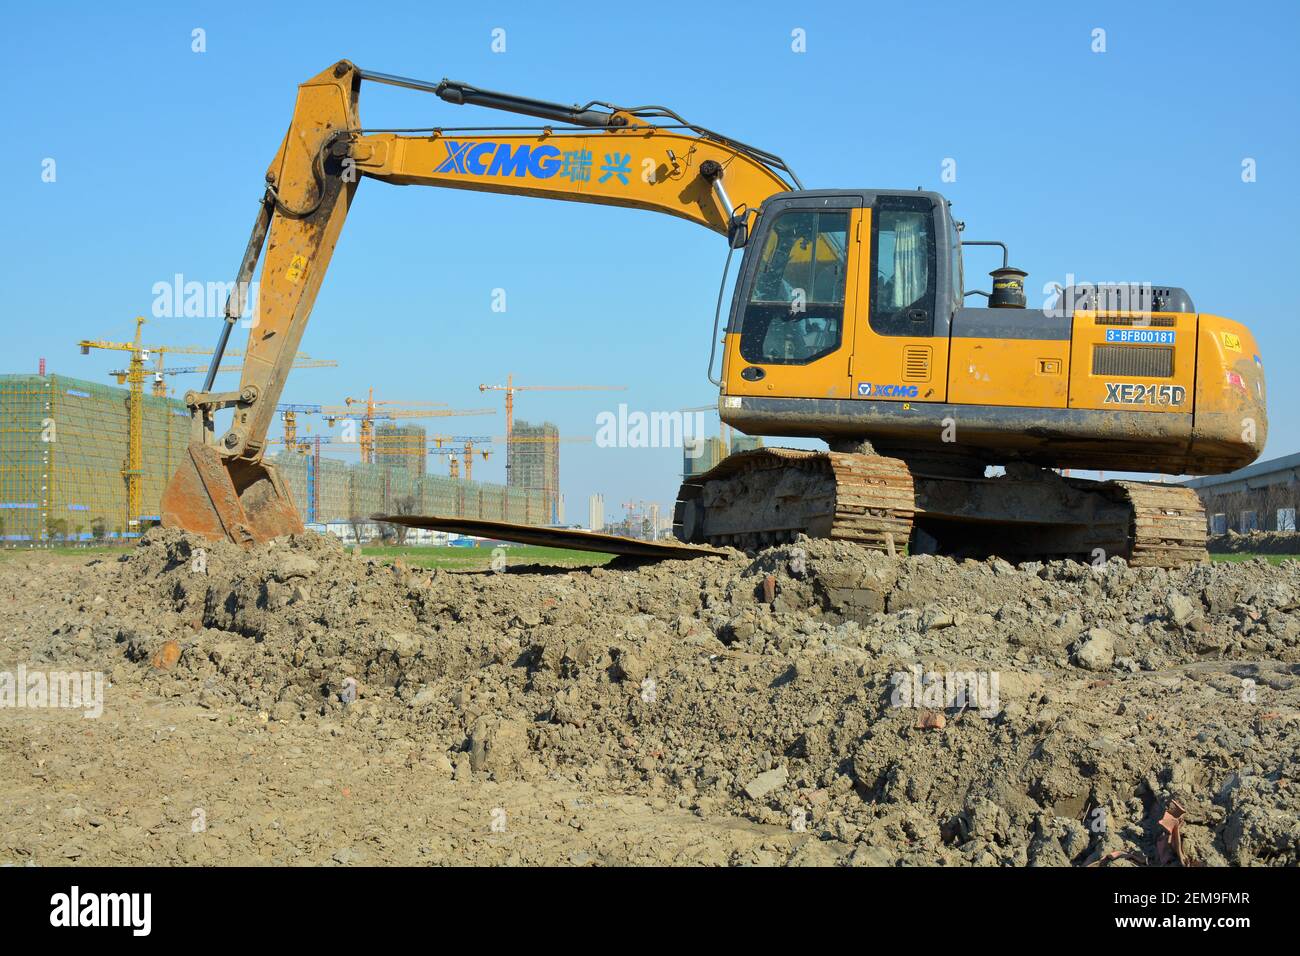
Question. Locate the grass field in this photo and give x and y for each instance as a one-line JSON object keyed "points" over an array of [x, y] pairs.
{"points": [[456, 559], [470, 559], [66, 551], [1270, 558]]}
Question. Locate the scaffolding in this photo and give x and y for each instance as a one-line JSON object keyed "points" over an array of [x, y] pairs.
{"points": [[347, 493], [533, 464], [65, 458], [65, 469], [402, 448]]}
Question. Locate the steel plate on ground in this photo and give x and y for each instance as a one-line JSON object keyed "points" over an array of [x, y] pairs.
{"points": [[553, 537]]}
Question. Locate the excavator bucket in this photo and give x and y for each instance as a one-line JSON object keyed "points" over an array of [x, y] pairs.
{"points": [[228, 499]]}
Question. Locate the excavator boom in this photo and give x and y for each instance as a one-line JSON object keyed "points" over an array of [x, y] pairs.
{"points": [[642, 158]]}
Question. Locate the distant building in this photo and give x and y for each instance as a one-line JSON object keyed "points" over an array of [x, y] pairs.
{"points": [[63, 449], [533, 463], [741, 443], [403, 448], [1261, 497], [595, 512], [701, 454]]}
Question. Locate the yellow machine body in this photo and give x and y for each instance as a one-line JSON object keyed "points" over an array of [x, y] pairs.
{"points": [[848, 321], [1134, 390]]}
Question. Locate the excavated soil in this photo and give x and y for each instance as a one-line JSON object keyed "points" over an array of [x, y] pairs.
{"points": [[301, 704]]}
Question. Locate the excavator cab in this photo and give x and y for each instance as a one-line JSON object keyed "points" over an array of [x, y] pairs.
{"points": [[844, 295]]}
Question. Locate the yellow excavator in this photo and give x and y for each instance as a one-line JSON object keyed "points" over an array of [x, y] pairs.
{"points": [[848, 323]]}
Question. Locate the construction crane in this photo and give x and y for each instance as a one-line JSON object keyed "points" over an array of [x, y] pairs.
{"points": [[459, 453], [160, 384], [462, 449], [462, 452], [133, 378], [366, 440], [510, 388], [369, 410], [289, 412], [638, 519], [459, 449], [456, 455]]}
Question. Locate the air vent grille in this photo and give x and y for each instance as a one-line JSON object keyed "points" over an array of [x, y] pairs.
{"points": [[1155, 321], [1143, 361], [916, 363]]}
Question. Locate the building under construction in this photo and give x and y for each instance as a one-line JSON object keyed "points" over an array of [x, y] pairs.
{"points": [[64, 451], [327, 491], [533, 463], [701, 454], [64, 470], [403, 448]]}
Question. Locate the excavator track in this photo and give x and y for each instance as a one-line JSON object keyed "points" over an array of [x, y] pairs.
{"points": [[767, 496], [1168, 524]]}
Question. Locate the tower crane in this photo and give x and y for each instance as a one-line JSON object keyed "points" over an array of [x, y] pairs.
{"points": [[133, 378], [369, 410], [160, 384], [510, 388]]}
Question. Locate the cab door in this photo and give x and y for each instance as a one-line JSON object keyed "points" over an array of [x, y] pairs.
{"points": [[900, 336], [789, 335]]}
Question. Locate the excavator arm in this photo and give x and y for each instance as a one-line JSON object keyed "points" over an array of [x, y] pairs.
{"points": [[643, 158]]}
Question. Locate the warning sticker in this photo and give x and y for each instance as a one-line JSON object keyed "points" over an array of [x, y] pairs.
{"points": [[297, 266]]}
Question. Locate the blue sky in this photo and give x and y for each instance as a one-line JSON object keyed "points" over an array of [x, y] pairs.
{"points": [[1122, 165]]}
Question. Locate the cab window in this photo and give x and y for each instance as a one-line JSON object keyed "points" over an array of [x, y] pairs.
{"points": [[904, 260], [795, 310]]}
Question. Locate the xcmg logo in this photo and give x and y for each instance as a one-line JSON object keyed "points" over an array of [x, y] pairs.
{"points": [[867, 390], [500, 159]]}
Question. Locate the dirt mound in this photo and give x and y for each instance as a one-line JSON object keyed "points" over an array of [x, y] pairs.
{"points": [[920, 710]]}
